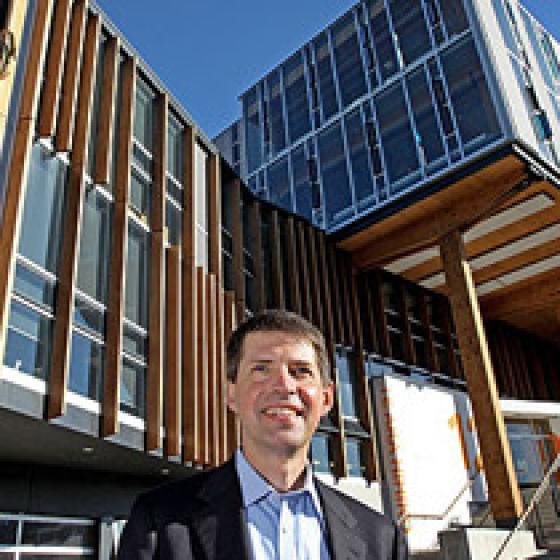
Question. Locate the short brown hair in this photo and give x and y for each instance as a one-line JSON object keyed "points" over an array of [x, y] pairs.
{"points": [[277, 320]]}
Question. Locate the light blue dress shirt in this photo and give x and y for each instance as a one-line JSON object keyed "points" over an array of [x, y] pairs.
{"points": [[281, 526]]}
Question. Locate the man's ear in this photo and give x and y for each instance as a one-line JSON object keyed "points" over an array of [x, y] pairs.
{"points": [[328, 397], [230, 397]]}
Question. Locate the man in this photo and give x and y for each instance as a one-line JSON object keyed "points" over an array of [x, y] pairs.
{"points": [[264, 504]]}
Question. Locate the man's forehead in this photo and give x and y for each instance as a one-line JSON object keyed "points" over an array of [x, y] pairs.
{"points": [[260, 344]]}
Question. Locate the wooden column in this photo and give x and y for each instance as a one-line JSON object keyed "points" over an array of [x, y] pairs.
{"points": [[257, 252], [172, 400], [505, 498], [315, 280], [214, 217], [232, 423], [119, 248], [212, 374], [277, 264], [18, 170], [154, 382], [107, 112], [189, 319], [303, 277], [237, 247], [202, 362], [221, 375], [293, 267], [75, 194], [55, 66], [67, 103]]}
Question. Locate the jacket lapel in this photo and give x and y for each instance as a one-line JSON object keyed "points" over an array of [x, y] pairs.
{"points": [[345, 541], [218, 524]]}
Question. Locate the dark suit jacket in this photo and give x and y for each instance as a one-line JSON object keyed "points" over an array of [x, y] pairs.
{"points": [[201, 518]]}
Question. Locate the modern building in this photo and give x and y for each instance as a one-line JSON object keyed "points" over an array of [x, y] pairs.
{"points": [[131, 249]]}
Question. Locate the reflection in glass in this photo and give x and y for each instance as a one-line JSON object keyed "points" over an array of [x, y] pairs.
{"points": [[297, 105], [276, 114], [86, 367], [454, 16], [36, 533], [143, 115], [321, 453], [133, 390], [139, 194], [279, 184], [382, 39], [354, 457], [33, 286], [347, 383], [88, 316], [302, 187], [8, 530], [410, 28], [325, 76], [253, 141], [175, 149], [361, 172], [136, 290]]}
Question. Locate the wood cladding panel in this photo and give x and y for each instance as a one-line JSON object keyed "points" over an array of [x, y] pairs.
{"points": [[305, 288], [232, 423], [154, 382], [172, 399], [237, 247], [202, 366], [315, 279], [255, 224], [214, 218], [277, 264], [54, 68], [16, 183], [212, 373], [107, 112], [221, 377], [70, 81], [293, 265], [119, 247], [75, 194]]}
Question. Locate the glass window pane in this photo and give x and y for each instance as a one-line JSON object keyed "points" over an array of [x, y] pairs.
{"points": [[470, 97], [429, 140], [410, 27], [396, 134], [297, 105], [354, 458], [86, 367], [321, 454], [139, 194], [302, 187], [347, 383], [33, 287], [201, 192], [92, 144], [88, 316], [279, 184], [37, 533], [382, 39], [454, 16], [136, 290], [363, 180], [8, 530], [175, 149], [334, 173], [325, 75], [133, 378], [253, 141], [276, 114], [41, 229], [174, 223], [94, 246], [143, 115], [28, 341], [350, 70]]}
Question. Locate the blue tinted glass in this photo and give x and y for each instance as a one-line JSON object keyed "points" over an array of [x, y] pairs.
{"points": [[276, 114], [551, 57], [363, 180], [175, 149], [297, 104], [134, 343], [139, 194], [279, 184], [410, 27], [454, 16], [302, 187], [325, 76], [136, 290], [86, 367], [253, 141], [133, 390], [347, 384], [321, 454], [33, 286], [28, 341], [41, 228], [88, 316], [382, 40], [334, 173], [354, 457], [351, 77], [396, 134], [8, 531], [429, 141], [144, 115], [470, 97], [173, 222]]}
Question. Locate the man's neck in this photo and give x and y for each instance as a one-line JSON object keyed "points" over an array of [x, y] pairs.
{"points": [[283, 472]]}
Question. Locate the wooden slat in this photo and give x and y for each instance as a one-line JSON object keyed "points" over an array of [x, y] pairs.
{"points": [[202, 362], [293, 267], [503, 489], [107, 112], [277, 261], [368, 313], [338, 333], [189, 319], [255, 222], [316, 300], [232, 423], [379, 304], [303, 279], [213, 385], [237, 247], [214, 218], [119, 248], [18, 170], [172, 400], [154, 381], [221, 376], [324, 288], [68, 98], [428, 334], [340, 460], [75, 194], [408, 344], [55, 65]]}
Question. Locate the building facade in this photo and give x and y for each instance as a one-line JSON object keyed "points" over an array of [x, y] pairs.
{"points": [[131, 249]]}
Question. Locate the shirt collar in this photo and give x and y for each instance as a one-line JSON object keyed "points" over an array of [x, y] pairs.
{"points": [[254, 487]]}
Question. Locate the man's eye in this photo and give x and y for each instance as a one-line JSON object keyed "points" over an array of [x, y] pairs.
{"points": [[260, 368], [302, 371]]}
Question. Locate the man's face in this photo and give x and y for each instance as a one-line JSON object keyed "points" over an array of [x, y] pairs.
{"points": [[279, 394]]}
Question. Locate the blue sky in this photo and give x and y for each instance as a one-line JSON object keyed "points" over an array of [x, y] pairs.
{"points": [[207, 52]]}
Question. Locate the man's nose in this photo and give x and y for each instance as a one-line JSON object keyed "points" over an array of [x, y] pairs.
{"points": [[284, 378]]}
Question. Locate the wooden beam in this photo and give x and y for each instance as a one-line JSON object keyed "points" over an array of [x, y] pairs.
{"points": [[154, 382], [476, 202], [255, 226], [504, 496], [107, 112], [189, 318], [277, 261], [67, 102], [172, 400], [69, 254], [202, 362], [55, 66], [18, 170], [237, 257], [119, 248], [293, 266]]}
